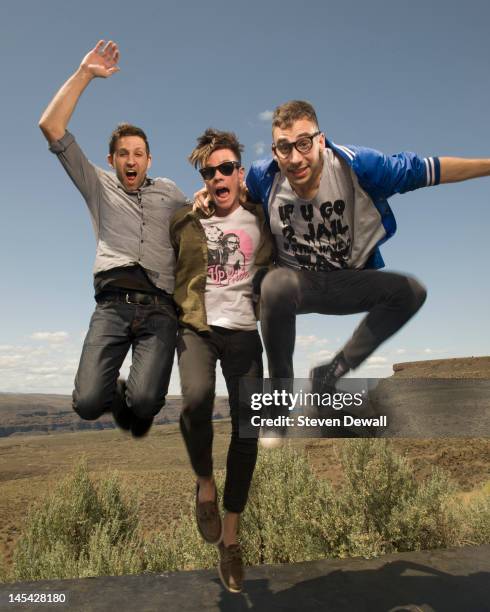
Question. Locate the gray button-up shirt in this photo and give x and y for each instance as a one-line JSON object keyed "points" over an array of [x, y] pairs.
{"points": [[130, 228]]}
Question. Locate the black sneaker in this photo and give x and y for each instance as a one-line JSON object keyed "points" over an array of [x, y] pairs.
{"points": [[140, 427], [121, 413], [324, 377], [272, 437], [230, 567]]}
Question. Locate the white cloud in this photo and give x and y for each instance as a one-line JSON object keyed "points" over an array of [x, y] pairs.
{"points": [[10, 361], [320, 356], [59, 336], [266, 115], [46, 368], [312, 340], [259, 148], [430, 351], [376, 360], [400, 351]]}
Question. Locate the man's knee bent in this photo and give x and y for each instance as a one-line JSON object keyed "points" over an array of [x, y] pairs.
{"points": [[407, 294], [197, 400], [144, 404], [198, 404], [280, 288], [417, 294], [90, 405]]}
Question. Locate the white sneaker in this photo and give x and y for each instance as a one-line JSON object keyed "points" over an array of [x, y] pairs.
{"points": [[269, 441]]}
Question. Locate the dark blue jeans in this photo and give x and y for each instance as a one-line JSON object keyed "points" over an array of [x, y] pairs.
{"points": [[150, 331]]}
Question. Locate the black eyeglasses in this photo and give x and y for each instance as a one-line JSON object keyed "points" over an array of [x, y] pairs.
{"points": [[302, 145], [226, 169]]}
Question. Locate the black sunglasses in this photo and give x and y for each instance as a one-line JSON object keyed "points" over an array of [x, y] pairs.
{"points": [[226, 169]]}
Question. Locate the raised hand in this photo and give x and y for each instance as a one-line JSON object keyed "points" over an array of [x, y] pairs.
{"points": [[244, 195], [201, 200], [102, 60]]}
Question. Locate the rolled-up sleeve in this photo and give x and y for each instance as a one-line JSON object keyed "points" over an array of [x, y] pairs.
{"points": [[81, 171]]}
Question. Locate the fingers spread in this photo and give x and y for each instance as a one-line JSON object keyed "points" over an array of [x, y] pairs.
{"points": [[99, 46]]}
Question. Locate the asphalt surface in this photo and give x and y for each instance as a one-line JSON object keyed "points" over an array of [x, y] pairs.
{"points": [[452, 580]]}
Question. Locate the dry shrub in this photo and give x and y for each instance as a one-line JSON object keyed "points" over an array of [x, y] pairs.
{"points": [[80, 529], [84, 529]]}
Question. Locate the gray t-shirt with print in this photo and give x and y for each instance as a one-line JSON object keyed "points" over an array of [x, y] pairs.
{"points": [[338, 229], [232, 242]]}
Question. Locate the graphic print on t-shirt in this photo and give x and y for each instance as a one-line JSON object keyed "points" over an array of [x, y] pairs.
{"points": [[317, 236], [229, 255]]}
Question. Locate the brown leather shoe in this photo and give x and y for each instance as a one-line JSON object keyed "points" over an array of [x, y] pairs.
{"points": [[208, 519], [230, 567]]}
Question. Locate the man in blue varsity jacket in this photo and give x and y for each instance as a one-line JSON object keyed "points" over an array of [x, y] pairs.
{"points": [[328, 211]]}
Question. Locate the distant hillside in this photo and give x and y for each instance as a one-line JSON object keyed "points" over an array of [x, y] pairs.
{"points": [[458, 367], [37, 413]]}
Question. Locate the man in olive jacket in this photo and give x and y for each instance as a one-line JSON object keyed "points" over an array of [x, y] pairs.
{"points": [[218, 253]]}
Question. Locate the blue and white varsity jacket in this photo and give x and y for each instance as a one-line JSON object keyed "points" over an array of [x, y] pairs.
{"points": [[379, 177]]}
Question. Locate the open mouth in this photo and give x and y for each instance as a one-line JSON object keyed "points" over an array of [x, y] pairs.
{"points": [[131, 175], [222, 193]]}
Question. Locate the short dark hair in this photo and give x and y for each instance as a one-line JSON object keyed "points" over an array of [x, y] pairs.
{"points": [[213, 140], [289, 112], [126, 129]]}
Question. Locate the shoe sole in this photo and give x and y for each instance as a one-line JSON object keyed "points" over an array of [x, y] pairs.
{"points": [[271, 443]]}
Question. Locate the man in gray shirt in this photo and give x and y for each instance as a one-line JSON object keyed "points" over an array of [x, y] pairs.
{"points": [[134, 263]]}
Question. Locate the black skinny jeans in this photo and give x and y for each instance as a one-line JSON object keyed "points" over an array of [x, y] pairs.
{"points": [[389, 299], [240, 353]]}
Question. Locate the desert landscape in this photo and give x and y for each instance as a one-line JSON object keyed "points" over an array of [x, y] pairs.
{"points": [[156, 467]]}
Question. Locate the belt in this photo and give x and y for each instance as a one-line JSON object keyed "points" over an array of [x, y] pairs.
{"points": [[133, 297]]}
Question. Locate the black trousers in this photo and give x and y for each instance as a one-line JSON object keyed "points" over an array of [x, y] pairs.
{"points": [[389, 299], [240, 354]]}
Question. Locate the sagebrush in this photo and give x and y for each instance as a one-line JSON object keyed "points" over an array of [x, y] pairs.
{"points": [[87, 529]]}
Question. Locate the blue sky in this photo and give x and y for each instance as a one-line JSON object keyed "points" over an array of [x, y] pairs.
{"points": [[390, 75]]}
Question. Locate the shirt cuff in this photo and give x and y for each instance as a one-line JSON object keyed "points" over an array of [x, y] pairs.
{"points": [[432, 170], [59, 146]]}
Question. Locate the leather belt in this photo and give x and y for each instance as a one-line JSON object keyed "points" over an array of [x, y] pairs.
{"points": [[133, 297]]}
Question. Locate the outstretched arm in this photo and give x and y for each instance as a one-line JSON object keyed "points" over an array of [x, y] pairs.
{"points": [[455, 169], [101, 61]]}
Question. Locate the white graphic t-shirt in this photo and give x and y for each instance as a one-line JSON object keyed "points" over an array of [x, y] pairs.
{"points": [[232, 242], [319, 234]]}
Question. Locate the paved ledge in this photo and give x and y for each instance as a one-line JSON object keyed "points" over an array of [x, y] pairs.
{"points": [[453, 580]]}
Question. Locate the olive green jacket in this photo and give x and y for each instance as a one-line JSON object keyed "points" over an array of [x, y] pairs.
{"points": [[189, 242]]}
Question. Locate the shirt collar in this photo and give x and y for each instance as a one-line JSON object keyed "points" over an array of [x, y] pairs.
{"points": [[148, 181]]}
